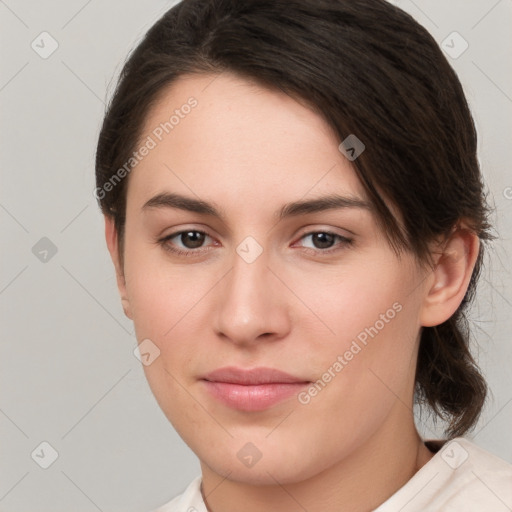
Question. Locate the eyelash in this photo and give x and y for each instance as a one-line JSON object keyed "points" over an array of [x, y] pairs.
{"points": [[343, 242]]}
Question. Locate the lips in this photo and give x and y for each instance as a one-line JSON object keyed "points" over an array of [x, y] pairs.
{"points": [[256, 389], [251, 377]]}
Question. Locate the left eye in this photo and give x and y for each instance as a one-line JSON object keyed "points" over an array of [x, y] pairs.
{"points": [[192, 241], [324, 239]]}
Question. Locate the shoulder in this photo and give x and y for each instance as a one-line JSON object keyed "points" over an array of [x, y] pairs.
{"points": [[460, 476], [189, 501]]}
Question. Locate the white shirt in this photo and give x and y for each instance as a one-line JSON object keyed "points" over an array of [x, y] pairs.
{"points": [[459, 477]]}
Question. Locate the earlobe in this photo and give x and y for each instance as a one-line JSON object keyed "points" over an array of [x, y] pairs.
{"points": [[450, 277], [113, 248]]}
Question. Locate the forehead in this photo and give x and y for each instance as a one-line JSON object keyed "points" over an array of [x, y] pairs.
{"points": [[224, 138]]}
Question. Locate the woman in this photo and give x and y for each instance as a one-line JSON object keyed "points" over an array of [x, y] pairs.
{"points": [[296, 215]]}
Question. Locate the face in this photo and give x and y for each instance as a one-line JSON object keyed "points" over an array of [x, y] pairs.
{"points": [[244, 284]]}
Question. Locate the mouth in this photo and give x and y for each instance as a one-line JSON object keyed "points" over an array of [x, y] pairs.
{"points": [[256, 389]]}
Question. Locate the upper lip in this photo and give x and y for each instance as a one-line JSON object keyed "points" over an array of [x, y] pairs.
{"points": [[253, 376]]}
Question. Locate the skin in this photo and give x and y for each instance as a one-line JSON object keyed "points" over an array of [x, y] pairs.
{"points": [[250, 150]]}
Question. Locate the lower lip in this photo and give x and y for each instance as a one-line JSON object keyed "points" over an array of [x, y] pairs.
{"points": [[253, 398]]}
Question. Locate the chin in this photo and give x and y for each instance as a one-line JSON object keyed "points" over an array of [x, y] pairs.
{"points": [[262, 476], [278, 468]]}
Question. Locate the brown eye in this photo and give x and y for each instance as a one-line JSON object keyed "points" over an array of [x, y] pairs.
{"points": [[188, 242], [192, 239], [325, 242]]}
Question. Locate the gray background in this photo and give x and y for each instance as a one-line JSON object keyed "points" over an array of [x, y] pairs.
{"points": [[68, 373]]}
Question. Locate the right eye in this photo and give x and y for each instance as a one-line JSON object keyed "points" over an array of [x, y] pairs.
{"points": [[190, 239]]}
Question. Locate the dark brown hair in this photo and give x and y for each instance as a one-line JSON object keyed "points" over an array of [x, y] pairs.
{"points": [[368, 69]]}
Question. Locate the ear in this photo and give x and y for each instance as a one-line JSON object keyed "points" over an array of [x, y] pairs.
{"points": [[113, 248], [450, 277]]}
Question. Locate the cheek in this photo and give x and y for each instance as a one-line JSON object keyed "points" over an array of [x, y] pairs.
{"points": [[351, 300], [371, 323], [159, 292], [169, 305]]}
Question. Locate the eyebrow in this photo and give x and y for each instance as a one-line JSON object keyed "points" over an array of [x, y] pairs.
{"points": [[293, 209]]}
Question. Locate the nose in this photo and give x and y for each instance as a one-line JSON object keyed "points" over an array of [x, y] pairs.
{"points": [[251, 303]]}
